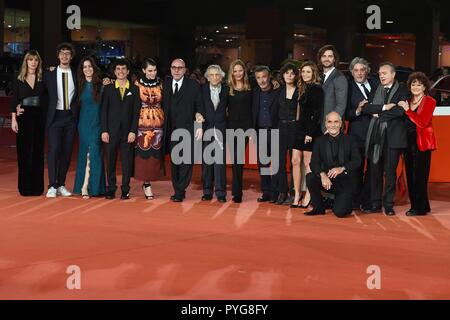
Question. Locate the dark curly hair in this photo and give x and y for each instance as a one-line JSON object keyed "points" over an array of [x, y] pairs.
{"points": [[289, 66], [421, 78]]}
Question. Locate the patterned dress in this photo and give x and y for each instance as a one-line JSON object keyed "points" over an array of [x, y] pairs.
{"points": [[149, 157]]}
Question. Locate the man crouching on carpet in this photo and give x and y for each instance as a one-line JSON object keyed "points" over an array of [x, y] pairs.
{"points": [[335, 159]]}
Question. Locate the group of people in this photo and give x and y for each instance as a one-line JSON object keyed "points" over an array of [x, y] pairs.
{"points": [[306, 106]]}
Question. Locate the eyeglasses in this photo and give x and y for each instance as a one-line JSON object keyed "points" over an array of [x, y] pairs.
{"points": [[176, 68], [65, 53]]}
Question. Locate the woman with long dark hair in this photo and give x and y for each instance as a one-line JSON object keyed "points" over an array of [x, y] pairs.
{"points": [[28, 91], [90, 175], [310, 104]]}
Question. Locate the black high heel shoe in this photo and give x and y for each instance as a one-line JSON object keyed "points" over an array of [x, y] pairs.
{"points": [[305, 206], [298, 205]]}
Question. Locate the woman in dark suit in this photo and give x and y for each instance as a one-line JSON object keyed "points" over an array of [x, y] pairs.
{"points": [[28, 91], [421, 141], [308, 127]]}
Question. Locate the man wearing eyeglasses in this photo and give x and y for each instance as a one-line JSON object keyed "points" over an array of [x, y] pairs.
{"points": [[183, 108], [61, 119]]}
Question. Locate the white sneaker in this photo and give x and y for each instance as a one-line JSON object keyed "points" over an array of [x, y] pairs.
{"points": [[62, 191], [51, 193]]}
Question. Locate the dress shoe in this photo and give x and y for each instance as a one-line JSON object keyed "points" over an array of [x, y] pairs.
{"points": [[178, 199], [125, 196], [175, 196], [206, 197], [222, 199], [314, 212], [371, 209], [414, 213], [281, 198], [110, 195], [237, 199], [264, 198], [389, 212]]}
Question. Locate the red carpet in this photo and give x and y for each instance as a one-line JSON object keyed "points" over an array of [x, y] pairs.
{"points": [[141, 249]]}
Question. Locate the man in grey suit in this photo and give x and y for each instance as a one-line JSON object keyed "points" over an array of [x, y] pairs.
{"points": [[334, 83]]}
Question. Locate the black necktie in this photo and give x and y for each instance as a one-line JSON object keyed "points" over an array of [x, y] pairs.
{"points": [[386, 94], [366, 90], [322, 78], [176, 88]]}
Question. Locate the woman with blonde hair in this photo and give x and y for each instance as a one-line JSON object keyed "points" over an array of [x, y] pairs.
{"points": [[239, 117], [310, 109], [28, 91]]}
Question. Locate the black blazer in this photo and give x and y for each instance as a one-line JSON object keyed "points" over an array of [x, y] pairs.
{"points": [[120, 117], [311, 111], [51, 84], [395, 118], [180, 110], [273, 105], [358, 125], [215, 117], [321, 161]]}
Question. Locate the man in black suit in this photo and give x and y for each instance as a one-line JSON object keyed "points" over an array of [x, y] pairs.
{"points": [[359, 90], [265, 118], [334, 163], [183, 108], [120, 115], [214, 95], [62, 117], [386, 137]]}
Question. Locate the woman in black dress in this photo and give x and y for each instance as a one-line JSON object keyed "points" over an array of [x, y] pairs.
{"points": [[308, 126], [28, 91], [287, 122], [239, 117]]}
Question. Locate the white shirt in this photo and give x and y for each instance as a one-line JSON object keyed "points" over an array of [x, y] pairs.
{"points": [[215, 95], [59, 83], [180, 83], [327, 74], [367, 85]]}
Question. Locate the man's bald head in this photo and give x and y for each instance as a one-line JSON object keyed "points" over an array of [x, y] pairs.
{"points": [[333, 123], [178, 69]]}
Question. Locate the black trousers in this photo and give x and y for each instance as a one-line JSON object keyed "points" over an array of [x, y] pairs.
{"points": [[387, 166], [361, 195], [237, 170], [287, 137], [116, 142], [417, 165], [268, 182], [214, 175], [60, 144], [30, 151], [181, 173], [342, 188]]}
